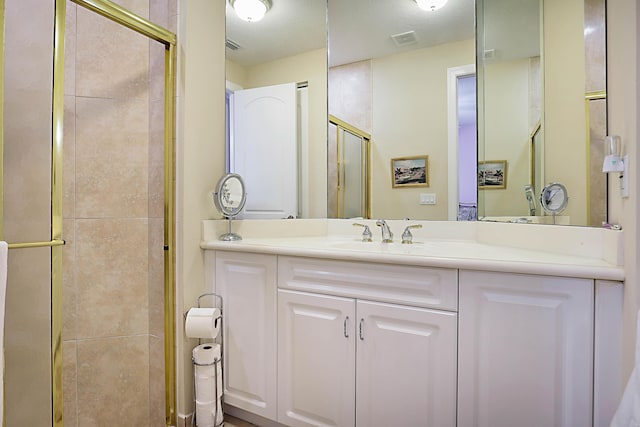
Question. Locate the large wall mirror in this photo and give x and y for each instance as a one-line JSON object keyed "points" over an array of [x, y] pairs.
{"points": [[542, 82], [384, 109]]}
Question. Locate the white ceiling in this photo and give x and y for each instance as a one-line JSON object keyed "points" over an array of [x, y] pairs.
{"points": [[512, 29], [362, 29], [369, 24], [358, 29], [290, 27]]}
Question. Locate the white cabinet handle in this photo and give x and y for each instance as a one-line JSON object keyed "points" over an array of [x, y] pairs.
{"points": [[346, 332], [361, 332]]}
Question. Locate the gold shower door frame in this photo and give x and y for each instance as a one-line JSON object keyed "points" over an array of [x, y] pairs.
{"points": [[146, 28], [365, 201], [588, 97]]}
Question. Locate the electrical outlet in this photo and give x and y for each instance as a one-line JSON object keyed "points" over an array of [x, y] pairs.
{"points": [[427, 199], [624, 178]]}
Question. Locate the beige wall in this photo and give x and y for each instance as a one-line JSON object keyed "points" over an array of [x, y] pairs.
{"points": [[236, 73], [200, 159], [564, 104], [507, 102], [312, 68], [623, 46], [412, 125]]}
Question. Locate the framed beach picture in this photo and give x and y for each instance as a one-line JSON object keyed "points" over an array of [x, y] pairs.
{"points": [[410, 171], [492, 174]]}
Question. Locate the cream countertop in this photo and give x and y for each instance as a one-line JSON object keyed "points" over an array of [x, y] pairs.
{"points": [[592, 253]]}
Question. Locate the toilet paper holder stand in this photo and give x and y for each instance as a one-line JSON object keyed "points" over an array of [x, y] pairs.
{"points": [[217, 304], [219, 361]]}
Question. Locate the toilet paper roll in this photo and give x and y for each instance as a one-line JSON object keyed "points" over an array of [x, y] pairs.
{"points": [[202, 323], [207, 372], [208, 376]]}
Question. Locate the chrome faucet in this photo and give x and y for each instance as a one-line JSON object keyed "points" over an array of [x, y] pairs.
{"points": [[387, 235], [366, 233], [407, 237]]}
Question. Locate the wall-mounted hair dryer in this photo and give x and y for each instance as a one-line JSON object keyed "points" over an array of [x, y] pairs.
{"points": [[528, 192]]}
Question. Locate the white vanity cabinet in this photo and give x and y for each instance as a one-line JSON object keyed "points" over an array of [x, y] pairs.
{"points": [[247, 284], [322, 342], [348, 361], [525, 350]]}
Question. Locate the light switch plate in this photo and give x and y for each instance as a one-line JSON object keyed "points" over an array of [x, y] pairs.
{"points": [[427, 199]]}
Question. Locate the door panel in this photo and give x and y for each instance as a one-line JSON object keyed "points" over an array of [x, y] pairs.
{"points": [[406, 366], [264, 140], [247, 285], [316, 360], [518, 330]]}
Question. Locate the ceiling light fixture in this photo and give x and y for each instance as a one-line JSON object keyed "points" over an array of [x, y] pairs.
{"points": [[250, 10], [430, 5]]}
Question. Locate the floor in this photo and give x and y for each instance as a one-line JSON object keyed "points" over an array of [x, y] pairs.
{"points": [[230, 421]]}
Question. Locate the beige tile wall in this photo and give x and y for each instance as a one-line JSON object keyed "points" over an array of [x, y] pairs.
{"points": [[114, 209]]}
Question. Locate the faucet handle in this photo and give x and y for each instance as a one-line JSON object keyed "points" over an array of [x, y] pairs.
{"points": [[407, 237], [366, 233]]}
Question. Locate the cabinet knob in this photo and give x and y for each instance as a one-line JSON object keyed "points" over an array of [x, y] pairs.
{"points": [[346, 331], [361, 329]]}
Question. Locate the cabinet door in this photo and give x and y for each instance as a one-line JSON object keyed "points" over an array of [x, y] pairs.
{"points": [[316, 360], [247, 283], [525, 350], [406, 366]]}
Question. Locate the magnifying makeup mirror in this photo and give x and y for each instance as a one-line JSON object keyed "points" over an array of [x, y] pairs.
{"points": [[554, 199], [229, 198]]}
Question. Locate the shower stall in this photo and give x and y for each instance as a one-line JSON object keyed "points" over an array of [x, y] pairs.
{"points": [[87, 208], [348, 175]]}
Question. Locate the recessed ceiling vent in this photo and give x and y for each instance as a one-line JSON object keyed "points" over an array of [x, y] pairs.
{"points": [[230, 44], [405, 39]]}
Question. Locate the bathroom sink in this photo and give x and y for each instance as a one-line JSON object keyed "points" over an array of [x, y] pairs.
{"points": [[395, 247]]}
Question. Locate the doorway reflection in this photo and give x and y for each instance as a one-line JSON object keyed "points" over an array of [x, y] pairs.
{"points": [[467, 148]]}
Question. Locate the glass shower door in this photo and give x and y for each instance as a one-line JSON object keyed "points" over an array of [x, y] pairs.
{"points": [[349, 171], [26, 209], [88, 317], [352, 182]]}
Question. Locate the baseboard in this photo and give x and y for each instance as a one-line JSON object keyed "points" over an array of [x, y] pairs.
{"points": [[249, 417], [184, 420]]}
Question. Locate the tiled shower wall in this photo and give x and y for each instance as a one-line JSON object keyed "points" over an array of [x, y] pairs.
{"points": [[350, 100], [113, 219]]}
